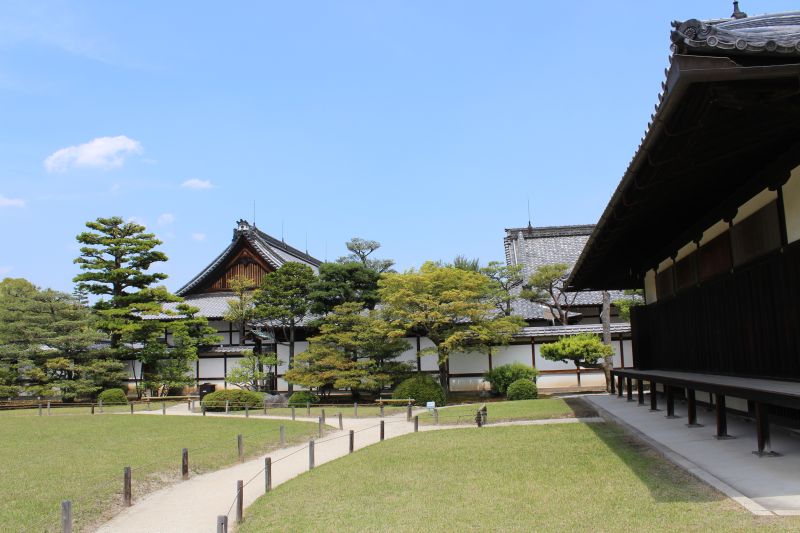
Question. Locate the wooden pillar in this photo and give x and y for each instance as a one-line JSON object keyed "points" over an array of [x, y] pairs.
{"points": [[419, 358], [629, 388], [691, 409], [533, 351], [670, 390], [622, 351], [653, 396], [762, 429], [613, 384], [619, 385], [640, 391], [722, 419]]}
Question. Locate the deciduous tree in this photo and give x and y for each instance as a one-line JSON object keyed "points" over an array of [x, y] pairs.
{"points": [[547, 287]]}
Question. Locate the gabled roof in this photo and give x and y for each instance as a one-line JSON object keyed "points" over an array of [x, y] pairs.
{"points": [[776, 34], [271, 250]]}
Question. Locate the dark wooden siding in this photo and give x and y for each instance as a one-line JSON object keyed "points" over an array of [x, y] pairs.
{"points": [[715, 257], [756, 235], [744, 323]]}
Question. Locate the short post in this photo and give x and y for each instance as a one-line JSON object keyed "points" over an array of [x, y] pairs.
{"points": [[190, 405], [640, 391], [247, 411], [383, 432], [185, 464], [691, 409], [127, 499], [293, 412], [66, 516], [381, 410], [352, 440], [163, 408], [227, 406], [131, 407], [619, 385], [722, 419], [408, 412], [240, 447], [148, 404], [355, 410], [40, 409], [92, 413], [308, 408], [323, 415], [267, 474], [321, 427], [48, 407], [239, 501], [311, 454], [653, 396], [629, 388], [670, 390], [436, 415], [222, 523], [341, 426], [203, 409], [282, 430], [100, 404], [484, 414], [416, 423], [265, 407], [762, 432]]}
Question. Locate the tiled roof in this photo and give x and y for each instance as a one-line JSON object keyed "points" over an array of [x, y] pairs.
{"points": [[210, 305], [535, 247], [273, 251], [560, 331], [776, 34]]}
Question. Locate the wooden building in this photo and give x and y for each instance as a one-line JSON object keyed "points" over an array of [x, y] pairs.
{"points": [[707, 220]]}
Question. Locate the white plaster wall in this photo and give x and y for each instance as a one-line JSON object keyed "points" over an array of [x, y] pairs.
{"points": [[134, 365], [714, 231], [544, 364], [429, 361], [471, 362], [754, 204], [283, 354], [232, 362], [513, 353], [736, 403], [791, 204], [211, 367], [467, 384], [410, 355], [650, 287]]}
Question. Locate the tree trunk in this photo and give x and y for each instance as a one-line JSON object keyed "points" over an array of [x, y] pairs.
{"points": [[291, 354], [605, 319], [444, 375]]}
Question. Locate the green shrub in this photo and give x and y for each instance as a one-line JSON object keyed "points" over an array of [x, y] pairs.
{"points": [[113, 397], [522, 389], [422, 388], [303, 397], [501, 377], [237, 399]]}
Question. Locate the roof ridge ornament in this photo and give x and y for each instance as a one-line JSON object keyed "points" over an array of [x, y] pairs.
{"points": [[737, 14]]}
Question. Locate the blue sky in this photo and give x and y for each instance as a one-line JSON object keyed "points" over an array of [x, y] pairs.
{"points": [[424, 125]]}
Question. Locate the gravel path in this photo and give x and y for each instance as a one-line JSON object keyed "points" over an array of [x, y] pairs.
{"points": [[193, 505]]}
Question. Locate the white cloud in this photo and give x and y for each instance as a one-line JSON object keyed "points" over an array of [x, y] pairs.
{"points": [[198, 236], [5, 270], [102, 152], [11, 202], [195, 183], [166, 218]]}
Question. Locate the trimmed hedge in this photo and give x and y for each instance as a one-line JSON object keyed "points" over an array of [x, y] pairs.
{"points": [[522, 389], [500, 377], [237, 398], [303, 397], [422, 388], [113, 397]]}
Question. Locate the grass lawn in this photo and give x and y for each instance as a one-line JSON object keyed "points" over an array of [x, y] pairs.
{"points": [[364, 411], [505, 411], [576, 477], [67, 409], [44, 460]]}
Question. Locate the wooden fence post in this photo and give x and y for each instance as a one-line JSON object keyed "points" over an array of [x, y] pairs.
{"points": [[40, 409], [282, 430], [352, 440], [311, 454], [240, 447], [48, 407], [308, 408], [247, 411], [381, 410], [382, 430], [408, 412], [66, 516], [321, 428], [416, 423], [222, 524], [185, 464], [203, 408], [100, 404], [239, 501], [190, 405], [267, 474], [127, 498], [436, 415], [293, 412], [163, 408], [92, 408], [265, 407], [227, 406], [131, 407], [341, 426], [355, 410], [323, 415]]}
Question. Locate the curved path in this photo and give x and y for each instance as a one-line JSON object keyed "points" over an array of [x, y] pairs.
{"points": [[193, 505]]}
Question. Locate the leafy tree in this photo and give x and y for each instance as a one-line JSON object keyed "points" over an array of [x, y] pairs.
{"points": [[448, 305], [355, 349], [252, 372], [284, 301], [631, 299], [464, 263], [340, 283], [504, 277], [241, 308], [116, 259], [584, 350], [546, 287], [360, 250]]}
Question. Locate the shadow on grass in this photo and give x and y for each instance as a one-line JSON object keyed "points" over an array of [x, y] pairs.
{"points": [[666, 481]]}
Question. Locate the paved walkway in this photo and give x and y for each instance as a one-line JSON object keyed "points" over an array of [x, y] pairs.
{"points": [[193, 505], [764, 485]]}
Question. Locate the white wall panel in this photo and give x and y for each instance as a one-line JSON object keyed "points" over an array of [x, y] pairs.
{"points": [[232, 362], [544, 364], [467, 363], [211, 367], [513, 353]]}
